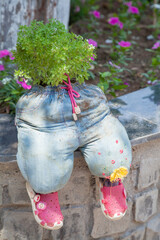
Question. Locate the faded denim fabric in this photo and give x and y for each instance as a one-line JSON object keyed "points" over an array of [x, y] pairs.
{"points": [[48, 136]]}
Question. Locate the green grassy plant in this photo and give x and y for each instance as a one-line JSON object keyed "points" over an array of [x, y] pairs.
{"points": [[45, 52]]}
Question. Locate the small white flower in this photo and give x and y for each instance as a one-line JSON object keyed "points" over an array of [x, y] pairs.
{"points": [[150, 37], [108, 41], [6, 80], [157, 6]]}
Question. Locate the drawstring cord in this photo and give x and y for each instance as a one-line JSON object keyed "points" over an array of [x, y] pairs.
{"points": [[72, 93]]}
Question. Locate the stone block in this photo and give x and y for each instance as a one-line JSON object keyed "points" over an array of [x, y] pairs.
{"points": [[14, 190], [20, 225], [77, 190], [149, 149], [105, 227], [136, 234], [17, 190], [134, 177], [1, 191], [153, 229], [149, 169], [8, 136], [77, 224], [106, 238], [146, 205]]}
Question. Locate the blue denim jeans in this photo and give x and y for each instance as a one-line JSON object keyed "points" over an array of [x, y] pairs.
{"points": [[48, 136]]}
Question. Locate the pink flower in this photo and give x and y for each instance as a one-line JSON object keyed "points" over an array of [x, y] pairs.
{"points": [[133, 10], [115, 21], [129, 4], [124, 44], [1, 67], [93, 58], [120, 25], [5, 53], [126, 83], [24, 84], [156, 45], [77, 9], [11, 57], [96, 14], [92, 42]]}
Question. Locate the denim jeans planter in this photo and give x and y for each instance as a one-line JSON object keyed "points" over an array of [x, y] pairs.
{"points": [[48, 136]]}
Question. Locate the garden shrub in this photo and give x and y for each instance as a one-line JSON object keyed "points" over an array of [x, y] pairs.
{"points": [[45, 52]]}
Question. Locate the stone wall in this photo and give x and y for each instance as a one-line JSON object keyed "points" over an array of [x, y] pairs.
{"points": [[79, 200]]}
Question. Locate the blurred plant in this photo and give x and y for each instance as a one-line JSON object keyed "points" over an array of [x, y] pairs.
{"points": [[153, 73], [80, 9], [93, 24], [6, 64], [95, 44], [129, 14], [110, 80], [10, 91], [117, 29], [115, 21], [156, 18]]}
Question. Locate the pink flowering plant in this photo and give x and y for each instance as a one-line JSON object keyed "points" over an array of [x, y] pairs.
{"points": [[129, 13], [121, 52], [94, 21], [10, 91], [6, 64], [153, 73], [118, 32]]}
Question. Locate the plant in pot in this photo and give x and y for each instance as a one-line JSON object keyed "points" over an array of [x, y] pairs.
{"points": [[50, 58]]}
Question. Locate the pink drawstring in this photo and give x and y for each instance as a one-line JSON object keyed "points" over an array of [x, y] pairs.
{"points": [[72, 93]]}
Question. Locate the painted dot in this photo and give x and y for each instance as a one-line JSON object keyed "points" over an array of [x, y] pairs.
{"points": [[121, 151], [116, 141], [130, 165], [99, 153], [103, 174], [42, 223], [126, 158], [36, 212], [113, 161]]}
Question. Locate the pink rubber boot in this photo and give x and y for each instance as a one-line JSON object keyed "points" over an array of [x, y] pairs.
{"points": [[113, 201], [46, 209]]}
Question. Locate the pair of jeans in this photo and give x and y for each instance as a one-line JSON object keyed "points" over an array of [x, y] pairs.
{"points": [[48, 136]]}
